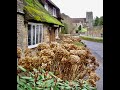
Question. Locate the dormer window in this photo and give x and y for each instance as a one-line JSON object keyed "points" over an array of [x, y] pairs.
{"points": [[46, 6], [54, 12]]}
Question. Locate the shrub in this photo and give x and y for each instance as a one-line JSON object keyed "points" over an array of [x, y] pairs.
{"points": [[64, 29], [43, 80]]}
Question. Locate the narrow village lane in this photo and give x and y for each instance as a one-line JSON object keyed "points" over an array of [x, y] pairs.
{"points": [[97, 50]]}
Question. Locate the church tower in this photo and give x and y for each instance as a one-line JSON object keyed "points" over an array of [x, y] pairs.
{"points": [[89, 19]]}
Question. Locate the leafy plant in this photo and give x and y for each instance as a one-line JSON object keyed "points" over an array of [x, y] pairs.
{"points": [[79, 28], [98, 21], [64, 29], [41, 80]]}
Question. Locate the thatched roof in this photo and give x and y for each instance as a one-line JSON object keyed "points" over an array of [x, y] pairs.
{"points": [[35, 11]]}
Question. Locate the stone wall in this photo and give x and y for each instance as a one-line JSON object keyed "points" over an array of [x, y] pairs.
{"points": [[21, 32], [56, 33], [95, 31], [45, 34], [20, 6]]}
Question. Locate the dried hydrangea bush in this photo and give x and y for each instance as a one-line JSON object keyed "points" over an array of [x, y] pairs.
{"points": [[67, 61]]}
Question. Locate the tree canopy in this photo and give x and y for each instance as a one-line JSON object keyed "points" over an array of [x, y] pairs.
{"points": [[98, 21]]}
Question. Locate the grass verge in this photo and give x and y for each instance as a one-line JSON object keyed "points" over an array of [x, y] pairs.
{"points": [[100, 40], [79, 43]]}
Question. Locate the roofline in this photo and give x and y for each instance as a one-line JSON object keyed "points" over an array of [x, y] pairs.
{"points": [[78, 18], [22, 13], [53, 4]]}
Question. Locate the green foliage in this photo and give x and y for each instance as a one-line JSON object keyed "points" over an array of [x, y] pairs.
{"points": [[36, 11], [79, 43], [101, 20], [64, 29], [41, 80], [83, 30], [79, 28], [77, 31], [98, 21], [92, 39]]}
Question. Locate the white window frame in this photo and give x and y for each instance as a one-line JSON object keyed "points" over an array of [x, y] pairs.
{"points": [[46, 6], [54, 12], [36, 44]]}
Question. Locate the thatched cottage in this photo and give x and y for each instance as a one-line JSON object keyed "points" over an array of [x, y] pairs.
{"points": [[37, 21]]}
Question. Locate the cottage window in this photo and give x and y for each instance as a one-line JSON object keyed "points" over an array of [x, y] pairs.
{"points": [[54, 12], [35, 34], [46, 6]]}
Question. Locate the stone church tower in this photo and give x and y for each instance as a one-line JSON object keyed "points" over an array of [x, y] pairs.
{"points": [[89, 19]]}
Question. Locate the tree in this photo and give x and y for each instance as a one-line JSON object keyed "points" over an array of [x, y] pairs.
{"points": [[79, 28], [64, 29], [101, 20], [96, 22]]}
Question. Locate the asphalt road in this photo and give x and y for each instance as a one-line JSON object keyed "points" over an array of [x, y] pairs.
{"points": [[97, 50]]}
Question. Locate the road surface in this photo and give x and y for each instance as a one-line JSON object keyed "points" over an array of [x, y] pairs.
{"points": [[97, 50]]}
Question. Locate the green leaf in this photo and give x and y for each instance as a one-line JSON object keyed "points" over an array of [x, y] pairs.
{"points": [[17, 79], [53, 84], [43, 71], [41, 77], [28, 78], [23, 69], [66, 82], [61, 87], [60, 84], [21, 83], [19, 88], [46, 89], [37, 88], [39, 82], [49, 82], [29, 87], [32, 79], [84, 89], [23, 80], [56, 88], [51, 73], [68, 87], [31, 74]]}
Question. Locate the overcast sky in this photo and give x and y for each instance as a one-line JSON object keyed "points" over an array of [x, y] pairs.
{"points": [[78, 8]]}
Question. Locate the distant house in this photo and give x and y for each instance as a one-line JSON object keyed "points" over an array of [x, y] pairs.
{"points": [[79, 22], [84, 22], [37, 21]]}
